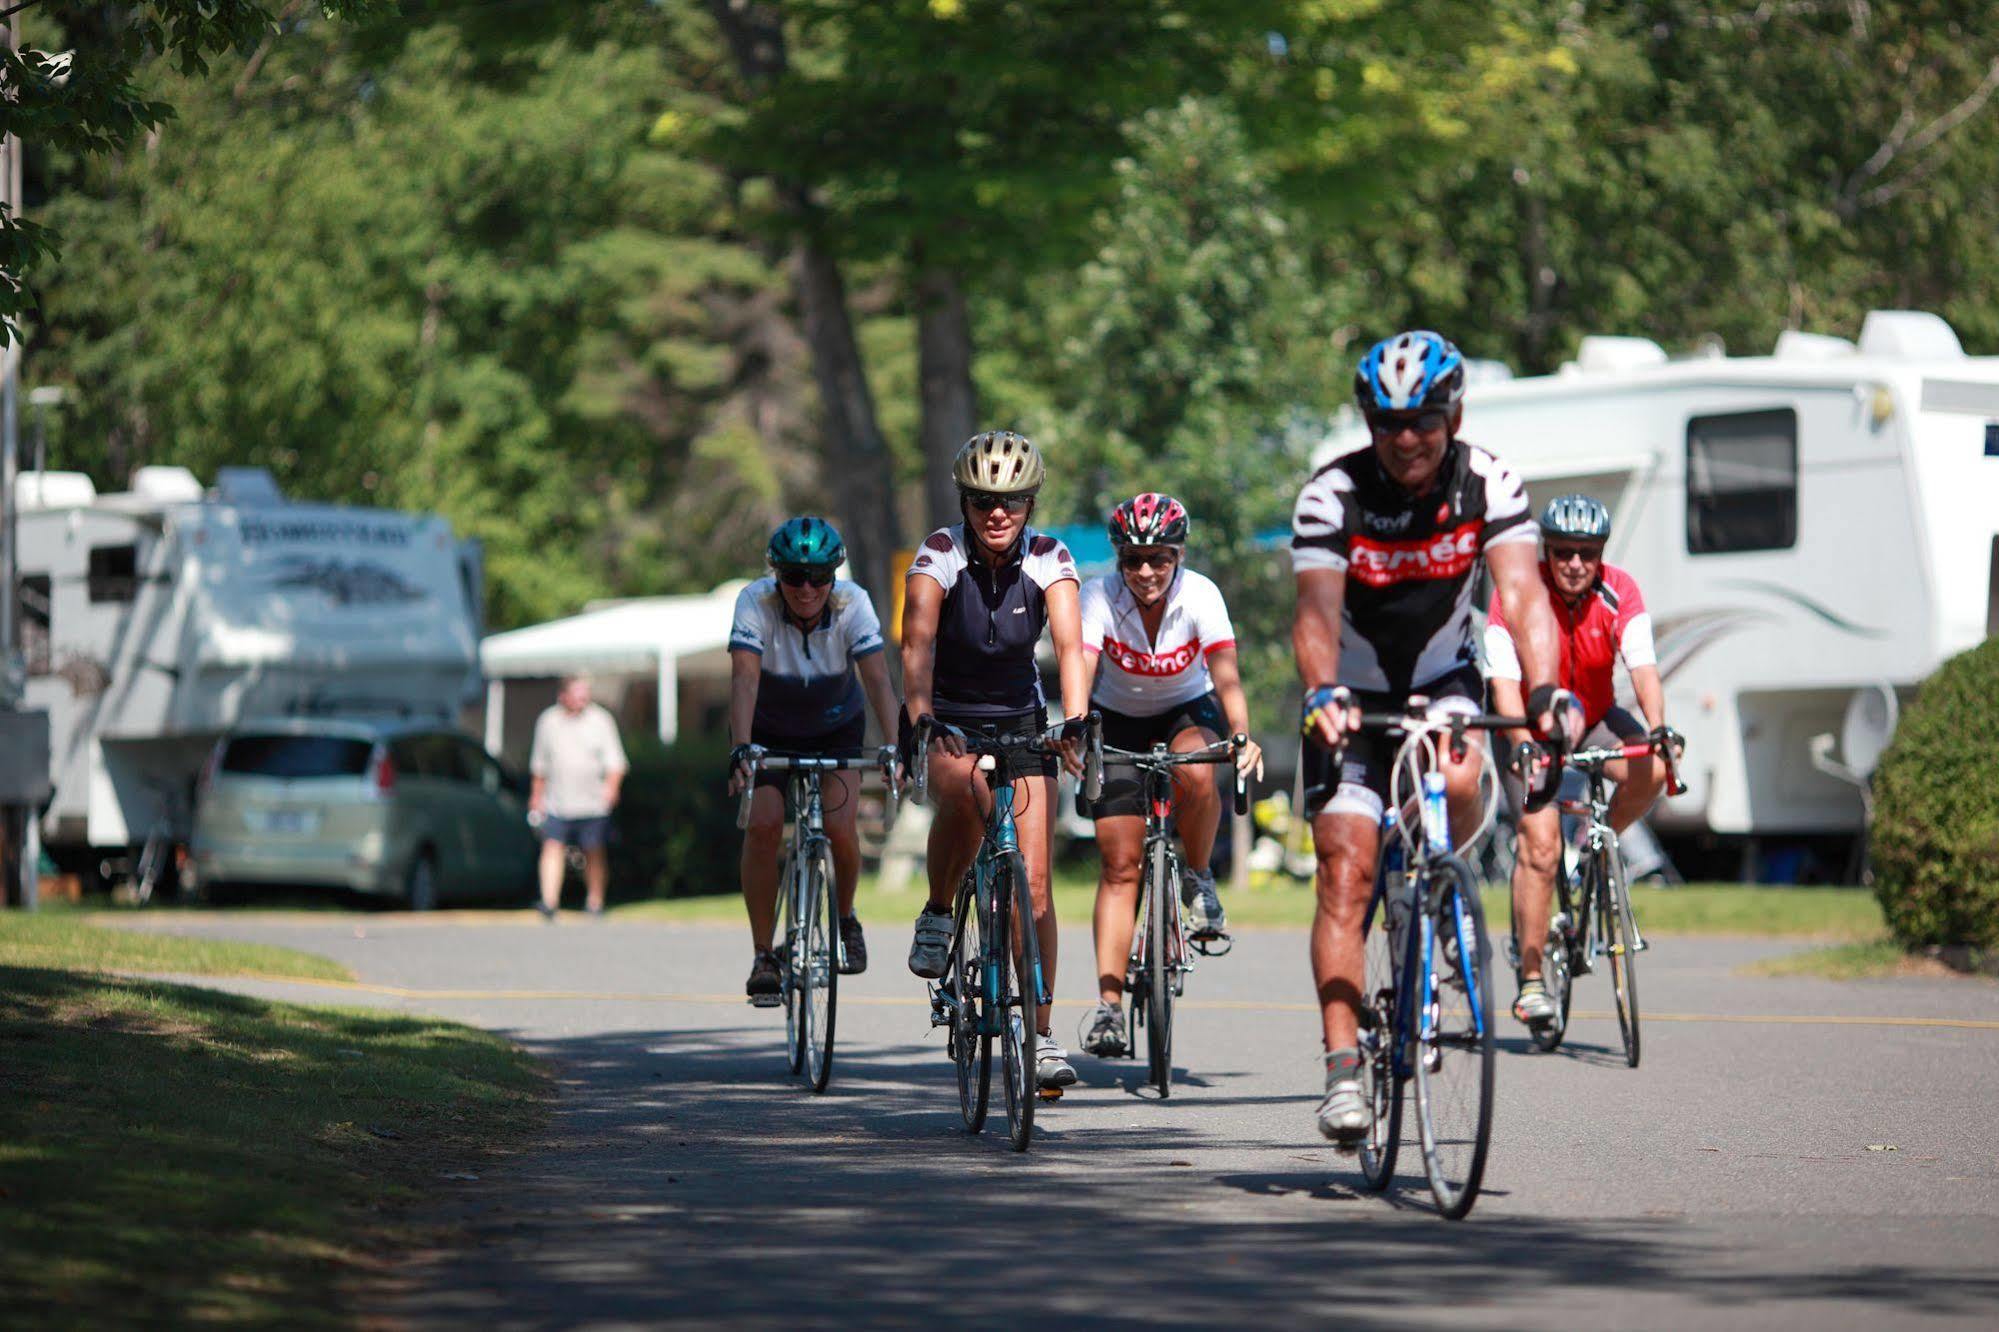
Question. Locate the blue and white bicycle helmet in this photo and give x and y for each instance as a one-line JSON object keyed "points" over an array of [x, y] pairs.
{"points": [[1576, 518], [1410, 371]]}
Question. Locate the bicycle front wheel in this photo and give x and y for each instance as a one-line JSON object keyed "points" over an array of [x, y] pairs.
{"points": [[971, 1039], [1620, 939], [820, 973], [1377, 1050], [1454, 1049], [1019, 968], [794, 997], [1162, 940], [1556, 973]]}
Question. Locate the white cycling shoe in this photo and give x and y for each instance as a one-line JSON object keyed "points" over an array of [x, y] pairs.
{"points": [[1051, 1063]]}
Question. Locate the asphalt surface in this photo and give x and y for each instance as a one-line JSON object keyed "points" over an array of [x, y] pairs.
{"points": [[1792, 1152]]}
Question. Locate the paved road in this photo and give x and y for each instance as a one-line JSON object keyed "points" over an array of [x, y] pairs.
{"points": [[1729, 1182]]}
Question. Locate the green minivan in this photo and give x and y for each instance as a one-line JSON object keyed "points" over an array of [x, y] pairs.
{"points": [[392, 808]]}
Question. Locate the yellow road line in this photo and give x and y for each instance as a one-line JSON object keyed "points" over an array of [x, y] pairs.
{"points": [[1226, 1005]]}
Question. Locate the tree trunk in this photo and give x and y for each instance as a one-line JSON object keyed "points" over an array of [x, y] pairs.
{"points": [[857, 460], [948, 400], [856, 456]]}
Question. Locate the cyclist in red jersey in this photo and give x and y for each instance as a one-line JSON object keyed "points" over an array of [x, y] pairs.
{"points": [[1602, 619]]}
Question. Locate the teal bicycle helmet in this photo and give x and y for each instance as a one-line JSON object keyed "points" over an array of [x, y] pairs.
{"points": [[806, 542]]}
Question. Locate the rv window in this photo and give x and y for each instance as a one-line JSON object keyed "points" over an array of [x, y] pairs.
{"points": [[1992, 593], [1742, 482], [295, 756], [114, 573], [37, 622]]}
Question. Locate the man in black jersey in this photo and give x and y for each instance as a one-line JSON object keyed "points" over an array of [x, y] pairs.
{"points": [[1385, 542]]}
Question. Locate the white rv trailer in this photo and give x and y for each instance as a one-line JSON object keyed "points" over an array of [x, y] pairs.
{"points": [[154, 620], [1809, 528]]}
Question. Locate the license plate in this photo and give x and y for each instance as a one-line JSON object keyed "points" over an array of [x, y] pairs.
{"points": [[298, 822]]}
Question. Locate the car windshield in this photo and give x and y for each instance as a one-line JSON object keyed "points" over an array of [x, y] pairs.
{"points": [[297, 756]]}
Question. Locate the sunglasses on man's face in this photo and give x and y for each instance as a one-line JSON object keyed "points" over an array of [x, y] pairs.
{"points": [[1390, 424], [1132, 560], [984, 501], [1585, 554], [802, 576]]}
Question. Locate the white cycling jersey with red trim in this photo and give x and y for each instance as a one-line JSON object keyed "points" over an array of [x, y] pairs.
{"points": [[1410, 561], [1144, 675]]}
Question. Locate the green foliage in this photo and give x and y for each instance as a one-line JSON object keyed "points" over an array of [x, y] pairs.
{"points": [[436, 266], [92, 103], [676, 820], [1188, 355], [1936, 810]]}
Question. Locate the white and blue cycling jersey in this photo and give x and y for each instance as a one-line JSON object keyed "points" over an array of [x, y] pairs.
{"points": [[808, 686]]}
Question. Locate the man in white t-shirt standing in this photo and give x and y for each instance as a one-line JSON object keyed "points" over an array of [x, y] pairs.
{"points": [[578, 765]]}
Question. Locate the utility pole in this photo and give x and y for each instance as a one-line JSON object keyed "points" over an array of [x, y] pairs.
{"points": [[24, 735]]}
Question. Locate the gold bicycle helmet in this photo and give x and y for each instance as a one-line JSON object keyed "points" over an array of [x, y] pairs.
{"points": [[1000, 462]]}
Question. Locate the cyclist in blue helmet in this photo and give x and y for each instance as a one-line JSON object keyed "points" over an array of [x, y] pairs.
{"points": [[801, 637], [1386, 543]]}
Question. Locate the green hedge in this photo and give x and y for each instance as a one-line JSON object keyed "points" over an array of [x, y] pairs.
{"points": [[1936, 810], [675, 827]]}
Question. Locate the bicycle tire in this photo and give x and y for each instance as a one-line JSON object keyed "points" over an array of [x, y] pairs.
{"points": [[971, 1041], [1384, 1089], [821, 986], [1020, 961], [1455, 1061], [1159, 994], [794, 1020], [1620, 935]]}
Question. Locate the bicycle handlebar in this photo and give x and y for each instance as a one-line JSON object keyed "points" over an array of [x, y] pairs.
{"points": [[1044, 742], [1636, 749], [1221, 751], [883, 758]]}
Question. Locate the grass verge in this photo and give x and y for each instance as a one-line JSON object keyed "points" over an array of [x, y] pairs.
{"points": [[1829, 913], [173, 1156], [69, 940]]}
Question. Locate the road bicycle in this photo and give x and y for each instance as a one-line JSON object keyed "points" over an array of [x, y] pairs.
{"points": [[1156, 972], [811, 955], [993, 982], [1592, 918], [1426, 998]]}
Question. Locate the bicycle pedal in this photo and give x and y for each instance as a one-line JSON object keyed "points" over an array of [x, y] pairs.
{"points": [[1049, 1093], [766, 1000]]}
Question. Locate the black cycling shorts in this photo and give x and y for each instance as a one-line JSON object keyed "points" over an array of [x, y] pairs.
{"points": [[845, 742], [1361, 784], [1124, 788], [1618, 727], [1007, 726]]}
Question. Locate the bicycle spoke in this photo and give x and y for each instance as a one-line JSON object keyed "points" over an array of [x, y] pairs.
{"points": [[1377, 1054], [821, 972]]}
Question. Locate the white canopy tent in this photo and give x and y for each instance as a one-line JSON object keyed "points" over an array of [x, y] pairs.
{"points": [[658, 638]]}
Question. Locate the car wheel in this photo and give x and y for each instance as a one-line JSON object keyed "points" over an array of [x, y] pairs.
{"points": [[420, 884]]}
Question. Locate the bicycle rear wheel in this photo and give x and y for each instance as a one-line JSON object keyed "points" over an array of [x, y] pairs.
{"points": [[1013, 939], [1377, 1051], [820, 973], [1620, 937], [1162, 934], [1454, 1054], [971, 1041]]}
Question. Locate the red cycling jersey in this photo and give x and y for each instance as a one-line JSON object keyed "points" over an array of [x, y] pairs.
{"points": [[1611, 623]]}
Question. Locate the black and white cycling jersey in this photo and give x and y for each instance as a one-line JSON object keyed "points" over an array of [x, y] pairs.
{"points": [[992, 617], [1410, 561]]}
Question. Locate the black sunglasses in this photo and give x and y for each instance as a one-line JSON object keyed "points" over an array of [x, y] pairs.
{"points": [[985, 501], [1391, 424], [1132, 559], [799, 575], [1563, 554]]}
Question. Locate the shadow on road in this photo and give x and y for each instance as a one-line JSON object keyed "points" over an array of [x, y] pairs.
{"points": [[690, 1181]]}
